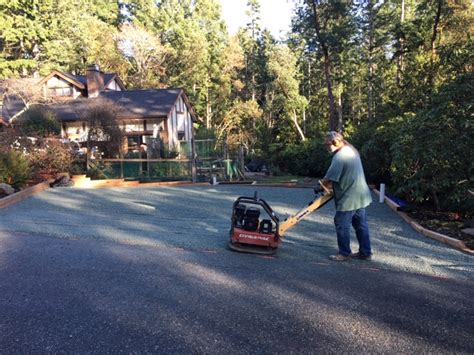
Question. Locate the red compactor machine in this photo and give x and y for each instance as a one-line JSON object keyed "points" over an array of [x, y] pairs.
{"points": [[255, 228]]}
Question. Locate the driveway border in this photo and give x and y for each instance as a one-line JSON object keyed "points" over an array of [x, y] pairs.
{"points": [[22, 194], [455, 243]]}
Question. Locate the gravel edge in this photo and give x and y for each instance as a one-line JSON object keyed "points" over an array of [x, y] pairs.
{"points": [[455, 243]]}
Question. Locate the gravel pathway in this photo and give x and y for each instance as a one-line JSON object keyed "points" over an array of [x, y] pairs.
{"points": [[147, 270]]}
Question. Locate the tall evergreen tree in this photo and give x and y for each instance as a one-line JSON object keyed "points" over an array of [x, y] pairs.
{"points": [[37, 36], [327, 30]]}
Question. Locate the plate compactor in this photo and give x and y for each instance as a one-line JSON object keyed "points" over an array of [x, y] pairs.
{"points": [[255, 228]]}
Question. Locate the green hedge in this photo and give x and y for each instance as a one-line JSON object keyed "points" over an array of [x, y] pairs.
{"points": [[432, 157], [308, 158]]}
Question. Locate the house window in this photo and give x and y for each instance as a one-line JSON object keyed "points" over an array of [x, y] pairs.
{"points": [[134, 143], [67, 91], [181, 122], [133, 127]]}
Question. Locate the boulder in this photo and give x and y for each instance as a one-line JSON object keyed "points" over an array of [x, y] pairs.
{"points": [[468, 231], [6, 189], [62, 180]]}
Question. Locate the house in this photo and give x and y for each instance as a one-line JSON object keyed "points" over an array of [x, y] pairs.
{"points": [[142, 114]]}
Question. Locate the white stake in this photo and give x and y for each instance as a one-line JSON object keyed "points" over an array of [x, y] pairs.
{"points": [[382, 193]]}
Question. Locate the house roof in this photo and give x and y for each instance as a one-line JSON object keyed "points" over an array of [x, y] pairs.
{"points": [[155, 103], [108, 77], [68, 77], [80, 81]]}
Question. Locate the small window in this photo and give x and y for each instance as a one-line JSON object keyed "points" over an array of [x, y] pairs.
{"points": [[61, 91]]}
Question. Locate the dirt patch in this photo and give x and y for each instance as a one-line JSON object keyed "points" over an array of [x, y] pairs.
{"points": [[452, 224]]}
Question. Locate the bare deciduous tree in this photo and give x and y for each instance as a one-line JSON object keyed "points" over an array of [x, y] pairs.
{"points": [[17, 97], [145, 55], [102, 126]]}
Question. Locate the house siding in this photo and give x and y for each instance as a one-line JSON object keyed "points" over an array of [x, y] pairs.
{"points": [[58, 84], [113, 85]]}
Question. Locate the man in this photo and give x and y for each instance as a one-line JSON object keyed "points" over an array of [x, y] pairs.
{"points": [[351, 194]]}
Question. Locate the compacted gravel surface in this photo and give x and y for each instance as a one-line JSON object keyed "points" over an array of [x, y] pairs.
{"points": [[147, 270]]}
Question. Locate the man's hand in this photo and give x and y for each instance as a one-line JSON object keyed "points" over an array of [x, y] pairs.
{"points": [[323, 186], [318, 189]]}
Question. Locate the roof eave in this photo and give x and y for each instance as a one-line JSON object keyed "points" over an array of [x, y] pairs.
{"points": [[63, 76], [118, 80], [193, 114]]}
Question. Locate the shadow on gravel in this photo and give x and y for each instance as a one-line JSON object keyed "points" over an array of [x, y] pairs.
{"points": [[196, 218], [146, 270], [82, 296]]}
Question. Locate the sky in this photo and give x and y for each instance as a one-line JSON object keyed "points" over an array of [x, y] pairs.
{"points": [[275, 15]]}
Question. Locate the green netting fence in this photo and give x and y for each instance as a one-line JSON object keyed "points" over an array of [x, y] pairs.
{"points": [[142, 169], [211, 160]]}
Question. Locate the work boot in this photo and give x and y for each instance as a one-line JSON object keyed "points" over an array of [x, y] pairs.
{"points": [[361, 257], [338, 257]]}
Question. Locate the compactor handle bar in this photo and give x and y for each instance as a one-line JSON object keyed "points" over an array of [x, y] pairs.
{"points": [[259, 202]]}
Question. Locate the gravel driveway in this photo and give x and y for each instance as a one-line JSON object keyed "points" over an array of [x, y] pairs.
{"points": [[147, 270]]}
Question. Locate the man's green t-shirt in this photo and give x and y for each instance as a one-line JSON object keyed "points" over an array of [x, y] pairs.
{"points": [[348, 180]]}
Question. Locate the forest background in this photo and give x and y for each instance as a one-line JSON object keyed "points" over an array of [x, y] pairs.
{"points": [[395, 76]]}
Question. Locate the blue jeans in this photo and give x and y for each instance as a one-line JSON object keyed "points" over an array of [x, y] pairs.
{"points": [[343, 221]]}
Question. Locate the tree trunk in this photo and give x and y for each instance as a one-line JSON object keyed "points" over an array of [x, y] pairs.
{"points": [[433, 42], [401, 43], [333, 120], [339, 111], [298, 128], [370, 94], [435, 27], [208, 111], [435, 199]]}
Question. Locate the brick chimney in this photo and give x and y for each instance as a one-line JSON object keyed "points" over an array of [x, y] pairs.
{"points": [[95, 80]]}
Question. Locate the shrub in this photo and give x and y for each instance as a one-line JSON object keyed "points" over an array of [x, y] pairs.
{"points": [[38, 121], [101, 171], [432, 160], [305, 159], [14, 169], [169, 170], [49, 157], [104, 130], [374, 143], [169, 153], [78, 167]]}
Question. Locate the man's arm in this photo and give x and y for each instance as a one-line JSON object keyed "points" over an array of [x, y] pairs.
{"points": [[327, 183], [324, 184]]}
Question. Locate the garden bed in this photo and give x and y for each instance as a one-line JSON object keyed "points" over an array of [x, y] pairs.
{"points": [[7, 200], [448, 223]]}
